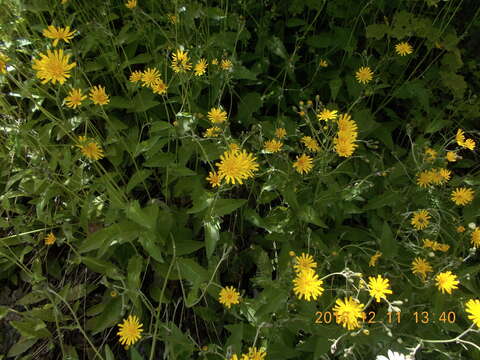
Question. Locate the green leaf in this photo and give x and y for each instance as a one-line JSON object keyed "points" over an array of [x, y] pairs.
{"points": [[103, 267], [152, 242], [335, 85], [108, 353], [109, 317], [21, 346], [386, 199], [134, 269], [388, 245], [137, 178], [249, 104], [376, 31], [146, 217], [31, 328], [223, 207], [190, 270], [212, 235]]}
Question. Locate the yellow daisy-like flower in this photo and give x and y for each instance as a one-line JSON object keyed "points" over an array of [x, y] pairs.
{"points": [[226, 64], [460, 229], [212, 132], [425, 178], [374, 259], [421, 267], [462, 196], [427, 243], [403, 48], [379, 287], [150, 77], [214, 62], [280, 133], [304, 164], [233, 147], [74, 98], [475, 239], [180, 61], [323, 63], [445, 174], [469, 144], [159, 87], [364, 75], [451, 156], [130, 330], [307, 285], [304, 262], [98, 95], [473, 308], [3, 63], [420, 219], [347, 312], [344, 146], [441, 247], [437, 178], [254, 354], [446, 282], [310, 143], [200, 67], [460, 137], [58, 34], [347, 127], [217, 115], [326, 115], [214, 179], [131, 4], [89, 148], [236, 166], [53, 67], [229, 296], [136, 76], [431, 154], [50, 239], [273, 146]]}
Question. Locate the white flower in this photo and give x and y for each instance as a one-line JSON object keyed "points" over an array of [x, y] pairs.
{"points": [[392, 355]]}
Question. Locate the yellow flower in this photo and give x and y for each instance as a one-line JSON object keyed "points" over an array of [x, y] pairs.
{"points": [[113, 293], [303, 164], [214, 179], [347, 127], [344, 146], [403, 48], [476, 237], [136, 76], [420, 219], [460, 137], [90, 148], [233, 147], [150, 77], [98, 95], [446, 282], [159, 87], [214, 62], [254, 354], [50, 239], [59, 33], [307, 285], [374, 258], [379, 287], [469, 144], [304, 262], [226, 64], [451, 156], [326, 115], [200, 67], [131, 4], [364, 75], [310, 143], [462, 196], [460, 229], [445, 174], [280, 133], [431, 154], [173, 18], [291, 253], [180, 61], [74, 98], [323, 63], [236, 166], [421, 267], [473, 308], [229, 296], [273, 145], [441, 247], [53, 67], [347, 312], [427, 243], [425, 178], [217, 115], [130, 330], [3, 63], [437, 178], [212, 132]]}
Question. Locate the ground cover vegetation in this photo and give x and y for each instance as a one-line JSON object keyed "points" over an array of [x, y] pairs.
{"points": [[239, 180]]}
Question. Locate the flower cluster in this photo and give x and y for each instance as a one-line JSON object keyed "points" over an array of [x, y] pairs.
{"points": [[150, 78], [346, 136]]}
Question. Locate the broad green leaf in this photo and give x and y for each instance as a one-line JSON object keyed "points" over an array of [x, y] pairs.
{"points": [[223, 207], [31, 328], [134, 269], [335, 85], [109, 317], [102, 267], [21, 346], [190, 270], [152, 243], [137, 178], [212, 235], [108, 353], [147, 217], [388, 245], [376, 31]]}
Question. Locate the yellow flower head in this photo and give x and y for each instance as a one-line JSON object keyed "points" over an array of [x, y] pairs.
{"points": [[233, 147], [131, 4], [74, 98], [379, 287], [476, 237], [200, 67], [344, 146], [217, 115], [469, 144], [98, 95], [420, 219], [214, 179], [159, 87], [307, 285], [473, 308], [229, 296], [280, 133], [310, 143], [425, 178], [460, 137], [374, 258], [236, 166], [180, 61], [212, 132], [403, 48], [451, 156], [446, 282], [130, 330], [90, 149], [445, 174], [3, 63], [462, 196], [136, 76], [150, 77], [347, 127], [273, 145], [303, 164], [254, 354], [59, 33], [460, 229], [364, 75], [326, 115], [431, 154], [421, 267], [50, 239], [214, 62], [226, 64], [304, 262], [347, 312], [323, 63], [53, 67]]}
